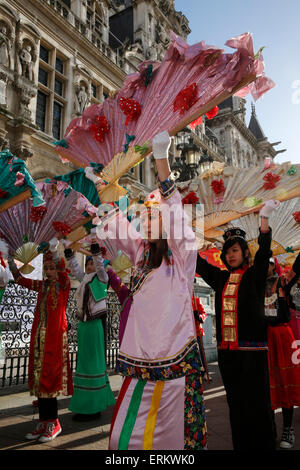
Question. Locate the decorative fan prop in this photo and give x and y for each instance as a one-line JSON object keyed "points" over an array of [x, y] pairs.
{"points": [[285, 224], [228, 193], [28, 229], [16, 183], [119, 261], [189, 82], [80, 181]]}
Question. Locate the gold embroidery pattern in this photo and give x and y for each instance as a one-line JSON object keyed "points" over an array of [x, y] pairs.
{"points": [[39, 347], [229, 318], [65, 363], [229, 307]]}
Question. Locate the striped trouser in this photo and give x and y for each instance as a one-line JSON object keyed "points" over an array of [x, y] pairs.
{"points": [[151, 415]]}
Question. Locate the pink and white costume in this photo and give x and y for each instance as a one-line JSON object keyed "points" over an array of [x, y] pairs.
{"points": [[160, 405]]}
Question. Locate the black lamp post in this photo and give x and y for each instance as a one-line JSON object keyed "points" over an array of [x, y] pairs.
{"points": [[187, 159]]}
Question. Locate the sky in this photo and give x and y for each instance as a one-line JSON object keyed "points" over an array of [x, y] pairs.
{"points": [[274, 24]]}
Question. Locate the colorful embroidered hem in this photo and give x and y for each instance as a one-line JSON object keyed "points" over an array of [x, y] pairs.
{"points": [[186, 363]]}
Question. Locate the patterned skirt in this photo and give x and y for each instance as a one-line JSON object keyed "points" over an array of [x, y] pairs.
{"points": [[284, 370], [159, 415], [92, 392]]}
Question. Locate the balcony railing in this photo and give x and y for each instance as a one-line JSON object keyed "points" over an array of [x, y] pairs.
{"points": [[88, 30]]}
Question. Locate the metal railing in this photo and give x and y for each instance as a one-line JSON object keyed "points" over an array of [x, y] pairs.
{"points": [[16, 317]]}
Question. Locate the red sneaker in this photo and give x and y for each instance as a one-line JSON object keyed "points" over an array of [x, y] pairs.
{"points": [[53, 429], [39, 430]]}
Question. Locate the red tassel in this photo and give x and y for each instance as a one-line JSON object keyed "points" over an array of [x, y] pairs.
{"points": [[37, 213], [3, 194], [196, 123], [270, 180], [100, 128], [131, 108], [190, 198], [186, 98], [61, 227], [212, 112], [296, 216], [218, 186]]}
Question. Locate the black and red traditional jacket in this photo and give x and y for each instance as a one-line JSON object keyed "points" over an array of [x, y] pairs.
{"points": [[239, 299]]}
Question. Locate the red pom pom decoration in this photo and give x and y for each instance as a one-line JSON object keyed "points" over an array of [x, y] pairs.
{"points": [[186, 98], [61, 227], [190, 198], [296, 216], [99, 128], [131, 108], [212, 112], [3, 194], [270, 180], [36, 213], [218, 186]]}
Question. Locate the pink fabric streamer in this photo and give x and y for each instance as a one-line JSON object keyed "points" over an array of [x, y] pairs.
{"points": [[19, 179]]}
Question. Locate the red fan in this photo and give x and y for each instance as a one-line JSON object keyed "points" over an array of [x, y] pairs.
{"points": [[190, 81]]}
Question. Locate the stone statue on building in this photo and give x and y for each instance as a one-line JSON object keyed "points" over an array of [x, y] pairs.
{"points": [[5, 47], [3, 85], [81, 99], [26, 58], [151, 52]]}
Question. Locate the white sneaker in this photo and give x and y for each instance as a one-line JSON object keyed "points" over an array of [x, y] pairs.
{"points": [[53, 429], [37, 433], [287, 439]]}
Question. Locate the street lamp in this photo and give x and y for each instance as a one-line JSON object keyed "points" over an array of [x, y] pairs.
{"points": [[205, 161], [187, 157]]}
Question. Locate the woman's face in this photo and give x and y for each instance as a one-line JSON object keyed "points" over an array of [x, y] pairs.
{"points": [[234, 256], [50, 270], [90, 267], [151, 222]]}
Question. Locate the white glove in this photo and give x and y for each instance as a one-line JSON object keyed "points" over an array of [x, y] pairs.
{"points": [[53, 244], [89, 173], [160, 145], [3, 277], [269, 207]]}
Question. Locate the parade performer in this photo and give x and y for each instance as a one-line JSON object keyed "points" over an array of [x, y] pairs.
{"points": [[160, 404], [291, 282], [92, 391], [242, 333], [49, 373], [284, 374]]}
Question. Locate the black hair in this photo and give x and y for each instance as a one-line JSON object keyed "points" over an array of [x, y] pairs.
{"points": [[229, 243]]}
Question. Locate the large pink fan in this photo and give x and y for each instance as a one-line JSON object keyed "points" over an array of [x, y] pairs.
{"points": [[190, 81], [27, 229]]}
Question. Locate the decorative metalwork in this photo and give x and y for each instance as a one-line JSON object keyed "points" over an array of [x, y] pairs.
{"points": [[16, 317]]}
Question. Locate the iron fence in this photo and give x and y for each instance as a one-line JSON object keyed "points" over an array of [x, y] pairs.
{"points": [[16, 317]]}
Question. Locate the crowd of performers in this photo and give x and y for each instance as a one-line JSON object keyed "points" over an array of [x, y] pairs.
{"points": [[160, 404]]}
